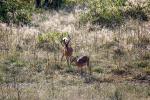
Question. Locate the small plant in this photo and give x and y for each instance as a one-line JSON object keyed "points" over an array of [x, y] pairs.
{"points": [[117, 95], [1, 75], [146, 56], [119, 71], [145, 40], [56, 67], [141, 64], [69, 70], [147, 70], [109, 45], [118, 53], [98, 70]]}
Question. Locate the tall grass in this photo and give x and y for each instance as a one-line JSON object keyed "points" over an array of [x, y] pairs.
{"points": [[30, 66]]}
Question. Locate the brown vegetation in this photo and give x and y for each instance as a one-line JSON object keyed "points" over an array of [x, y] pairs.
{"points": [[30, 66]]}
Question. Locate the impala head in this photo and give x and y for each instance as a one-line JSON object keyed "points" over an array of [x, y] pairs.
{"points": [[74, 59], [66, 40], [81, 61]]}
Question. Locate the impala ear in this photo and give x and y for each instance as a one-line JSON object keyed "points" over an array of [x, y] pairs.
{"points": [[61, 41], [69, 37]]}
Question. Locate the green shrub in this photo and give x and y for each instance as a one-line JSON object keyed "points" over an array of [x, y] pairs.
{"points": [[51, 37], [15, 11], [114, 12], [98, 70], [104, 12], [50, 41], [137, 12]]}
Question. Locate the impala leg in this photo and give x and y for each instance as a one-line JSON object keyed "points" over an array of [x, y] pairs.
{"points": [[67, 58], [62, 57], [90, 70], [78, 69], [89, 67], [86, 70], [81, 71], [69, 61]]}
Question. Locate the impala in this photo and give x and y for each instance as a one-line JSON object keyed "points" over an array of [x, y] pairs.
{"points": [[67, 49], [81, 61]]}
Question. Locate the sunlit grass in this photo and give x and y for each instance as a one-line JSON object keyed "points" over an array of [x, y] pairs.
{"points": [[30, 70]]}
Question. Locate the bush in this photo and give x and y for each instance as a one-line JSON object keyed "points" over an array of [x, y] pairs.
{"points": [[114, 12], [137, 12], [15, 11], [50, 41], [104, 12]]}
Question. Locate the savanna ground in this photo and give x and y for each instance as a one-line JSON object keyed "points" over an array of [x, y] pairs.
{"points": [[30, 67]]}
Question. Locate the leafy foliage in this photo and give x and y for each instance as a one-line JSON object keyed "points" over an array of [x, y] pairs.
{"points": [[51, 37], [114, 12], [50, 41], [15, 11], [138, 11], [104, 12]]}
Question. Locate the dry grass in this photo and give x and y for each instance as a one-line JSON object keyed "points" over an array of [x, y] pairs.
{"points": [[119, 59]]}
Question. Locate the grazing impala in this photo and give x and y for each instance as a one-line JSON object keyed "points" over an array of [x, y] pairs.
{"points": [[81, 61], [67, 49]]}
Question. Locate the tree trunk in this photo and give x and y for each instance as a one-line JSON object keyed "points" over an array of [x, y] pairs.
{"points": [[56, 4], [46, 3], [37, 3]]}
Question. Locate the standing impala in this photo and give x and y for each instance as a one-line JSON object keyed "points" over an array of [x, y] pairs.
{"points": [[67, 49], [82, 61]]}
